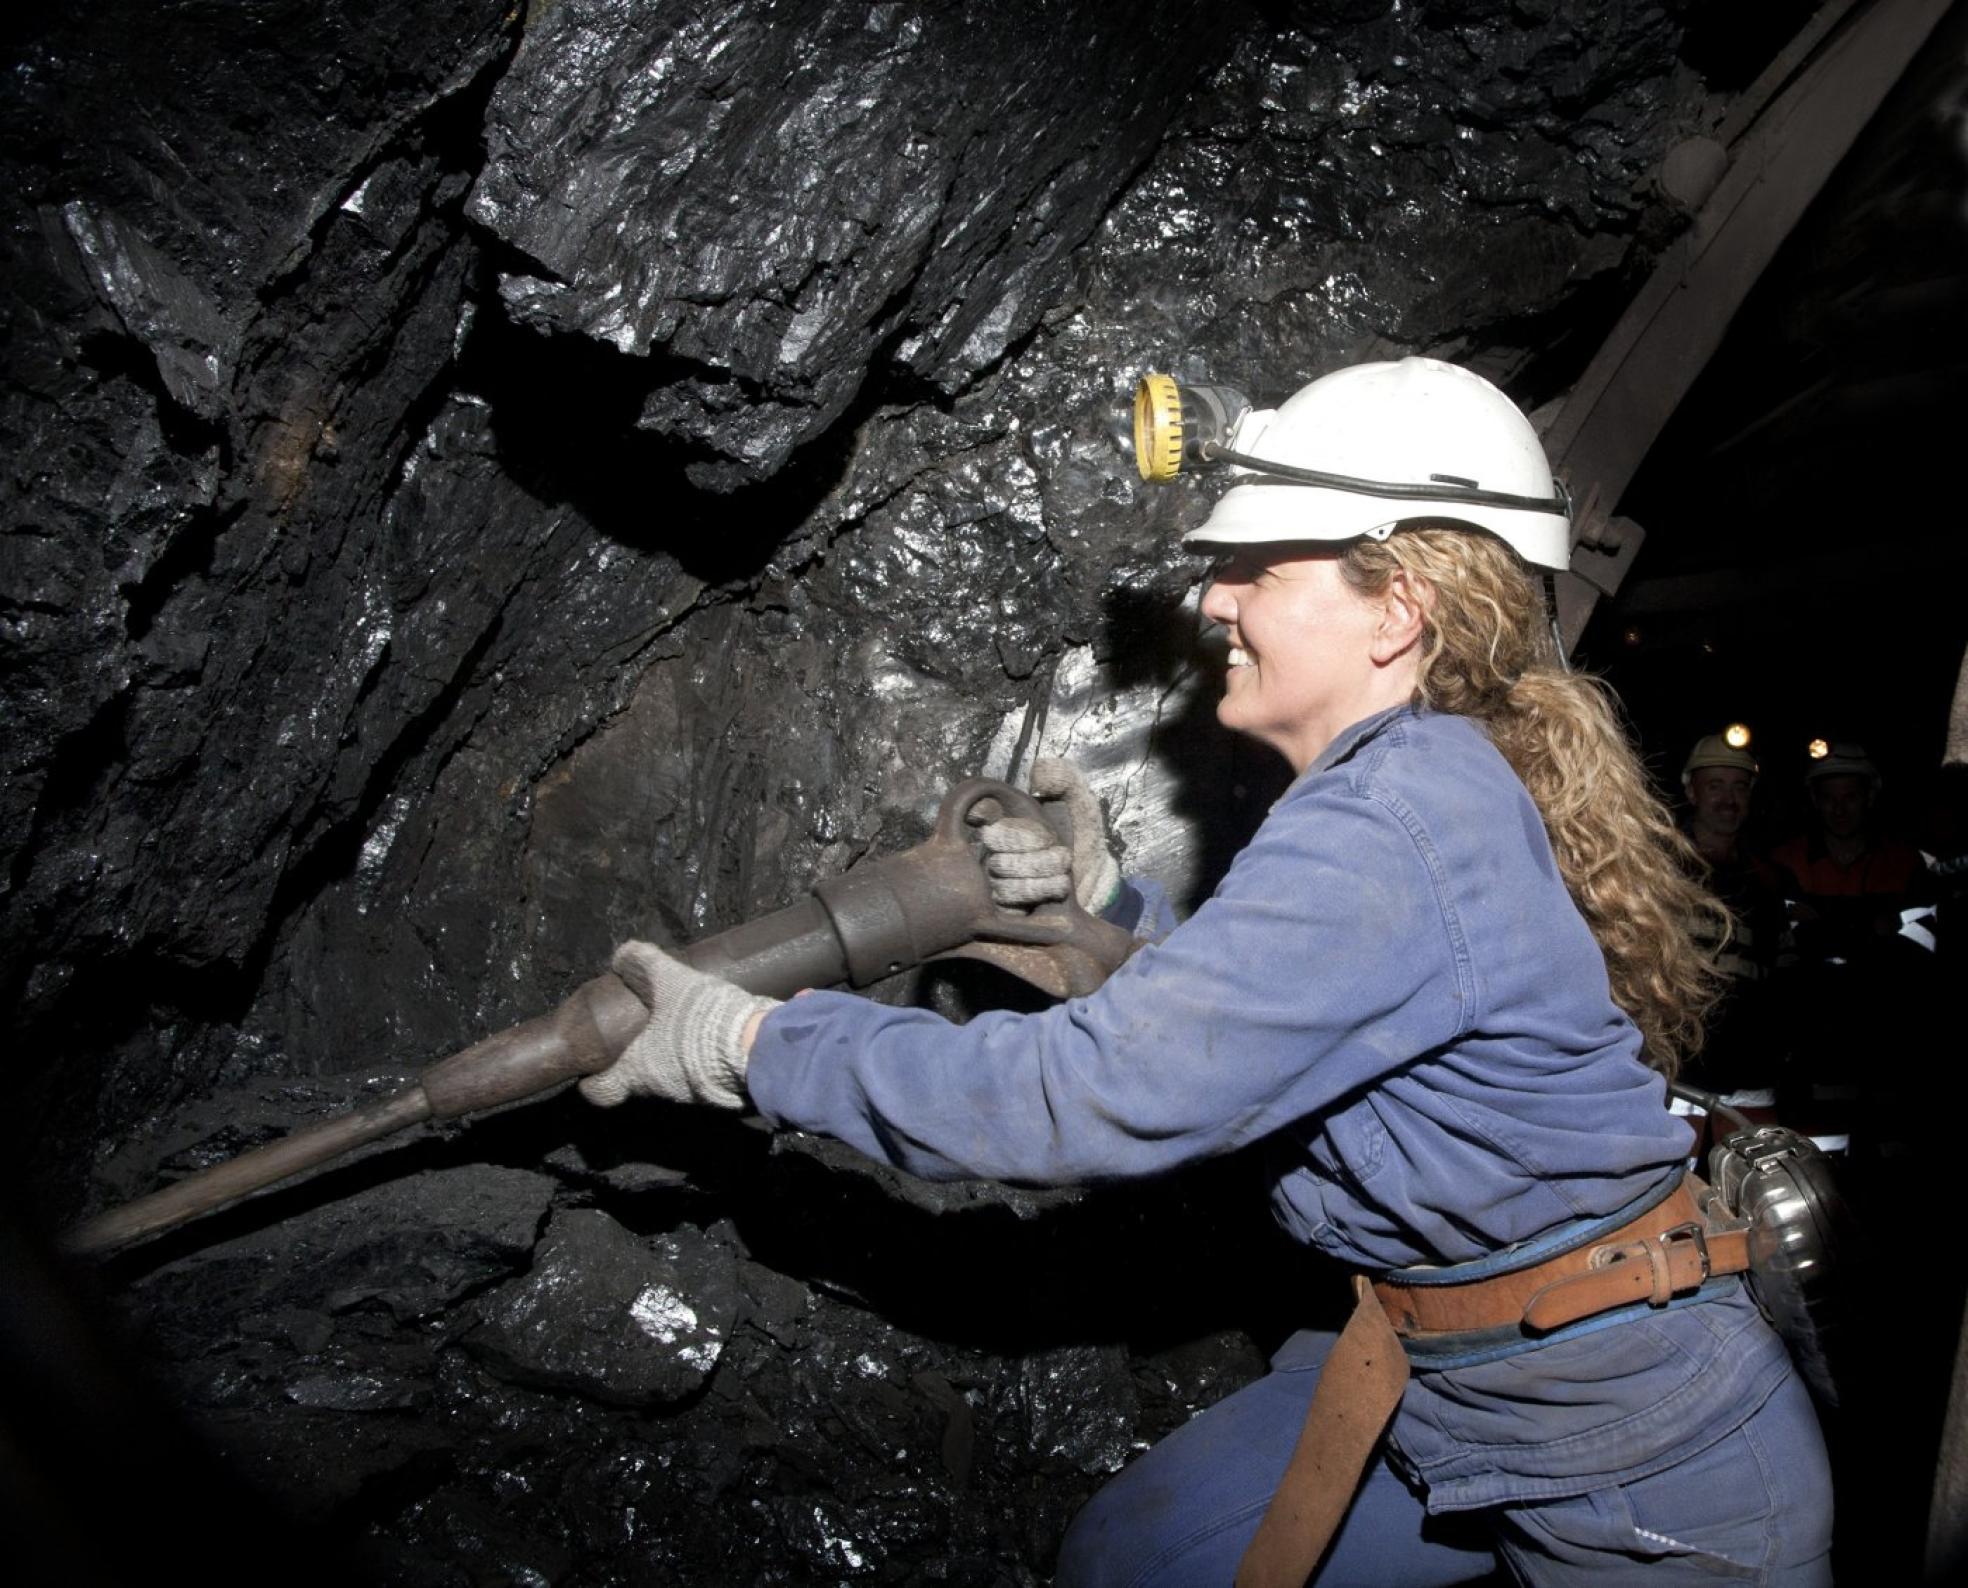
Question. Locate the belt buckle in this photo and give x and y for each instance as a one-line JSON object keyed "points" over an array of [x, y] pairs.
{"points": [[1691, 1231]]}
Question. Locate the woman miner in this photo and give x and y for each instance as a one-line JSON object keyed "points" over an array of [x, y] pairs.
{"points": [[1444, 982]]}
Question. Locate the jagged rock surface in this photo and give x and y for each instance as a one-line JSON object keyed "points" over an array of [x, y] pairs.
{"points": [[611, 1317], [780, 200], [435, 1358], [486, 484], [225, 318]]}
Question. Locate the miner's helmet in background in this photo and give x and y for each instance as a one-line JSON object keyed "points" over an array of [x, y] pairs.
{"points": [[1843, 759], [1357, 453], [1714, 750]]}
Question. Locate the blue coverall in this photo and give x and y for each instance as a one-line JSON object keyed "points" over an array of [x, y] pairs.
{"points": [[1393, 987]]}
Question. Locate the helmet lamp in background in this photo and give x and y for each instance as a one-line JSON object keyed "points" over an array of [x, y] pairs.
{"points": [[1716, 750]]}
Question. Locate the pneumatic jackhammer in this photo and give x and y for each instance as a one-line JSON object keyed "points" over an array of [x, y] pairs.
{"points": [[879, 918]]}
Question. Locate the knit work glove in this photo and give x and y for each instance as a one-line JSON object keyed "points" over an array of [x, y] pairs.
{"points": [[1025, 861], [692, 1047], [1028, 865]]}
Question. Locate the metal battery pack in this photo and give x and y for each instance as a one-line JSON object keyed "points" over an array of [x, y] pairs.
{"points": [[1775, 1183]]}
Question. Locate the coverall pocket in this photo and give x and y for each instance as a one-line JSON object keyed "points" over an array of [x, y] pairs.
{"points": [[1351, 1146], [1716, 1510], [1711, 1518]]}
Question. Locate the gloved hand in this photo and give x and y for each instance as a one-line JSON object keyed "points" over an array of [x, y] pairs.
{"points": [[692, 1048], [1025, 860]]}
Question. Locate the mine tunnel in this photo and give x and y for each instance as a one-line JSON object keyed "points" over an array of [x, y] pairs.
{"points": [[489, 482]]}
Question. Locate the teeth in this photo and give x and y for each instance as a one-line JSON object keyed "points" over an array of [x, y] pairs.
{"points": [[1239, 657]]}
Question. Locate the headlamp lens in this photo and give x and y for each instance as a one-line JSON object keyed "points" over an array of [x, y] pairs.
{"points": [[1158, 427]]}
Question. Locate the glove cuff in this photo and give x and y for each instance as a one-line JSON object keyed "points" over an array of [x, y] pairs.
{"points": [[710, 1036], [1098, 891], [691, 1049]]}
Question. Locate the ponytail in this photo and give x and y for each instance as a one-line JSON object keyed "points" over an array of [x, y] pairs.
{"points": [[1488, 654]]}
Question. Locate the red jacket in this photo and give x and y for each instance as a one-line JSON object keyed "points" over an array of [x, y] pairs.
{"points": [[1887, 867]]}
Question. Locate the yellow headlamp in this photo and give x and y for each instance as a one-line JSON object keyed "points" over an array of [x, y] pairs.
{"points": [[1174, 423], [1158, 427]]}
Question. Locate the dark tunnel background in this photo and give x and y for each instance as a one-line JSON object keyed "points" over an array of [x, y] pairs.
{"points": [[1805, 578], [485, 481]]}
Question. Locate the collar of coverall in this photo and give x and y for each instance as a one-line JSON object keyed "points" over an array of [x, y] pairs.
{"points": [[1351, 739]]}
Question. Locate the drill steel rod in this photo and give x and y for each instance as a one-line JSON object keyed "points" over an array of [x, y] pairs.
{"points": [[263, 1166]]}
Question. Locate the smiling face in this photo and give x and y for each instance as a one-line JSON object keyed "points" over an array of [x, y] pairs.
{"points": [[1309, 657], [1718, 797]]}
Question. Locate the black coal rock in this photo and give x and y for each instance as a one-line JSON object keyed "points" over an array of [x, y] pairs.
{"points": [[774, 199], [1077, 1404], [408, 1247], [605, 1314]]}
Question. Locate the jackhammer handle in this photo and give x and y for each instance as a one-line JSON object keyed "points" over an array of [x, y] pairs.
{"points": [[1059, 947], [953, 816], [1044, 923]]}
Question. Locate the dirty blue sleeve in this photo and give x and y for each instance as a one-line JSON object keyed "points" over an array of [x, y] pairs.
{"points": [[1143, 907], [1326, 960]]}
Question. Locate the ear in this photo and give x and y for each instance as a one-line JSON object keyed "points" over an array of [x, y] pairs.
{"points": [[1402, 618]]}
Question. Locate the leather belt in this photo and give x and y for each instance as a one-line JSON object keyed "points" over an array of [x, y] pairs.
{"points": [[1667, 1251]]}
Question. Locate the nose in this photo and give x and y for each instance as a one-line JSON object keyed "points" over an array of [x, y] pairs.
{"points": [[1218, 604]]}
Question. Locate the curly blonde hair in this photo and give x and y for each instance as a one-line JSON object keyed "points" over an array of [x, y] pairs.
{"points": [[1488, 654]]}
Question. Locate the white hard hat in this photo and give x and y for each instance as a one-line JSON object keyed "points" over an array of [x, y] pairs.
{"points": [[1378, 445]]}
